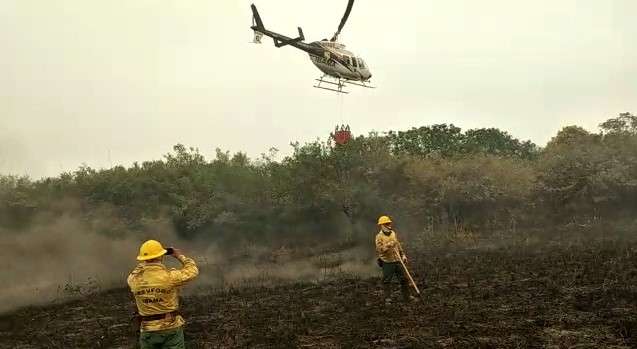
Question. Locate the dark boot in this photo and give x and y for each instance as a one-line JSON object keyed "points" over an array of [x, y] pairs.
{"points": [[406, 292]]}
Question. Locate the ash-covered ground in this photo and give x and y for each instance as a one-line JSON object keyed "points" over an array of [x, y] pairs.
{"points": [[543, 295]]}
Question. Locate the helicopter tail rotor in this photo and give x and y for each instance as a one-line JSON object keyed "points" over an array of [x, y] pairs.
{"points": [[257, 25], [257, 20], [279, 40]]}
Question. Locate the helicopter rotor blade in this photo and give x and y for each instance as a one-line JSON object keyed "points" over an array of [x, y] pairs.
{"points": [[350, 4]]}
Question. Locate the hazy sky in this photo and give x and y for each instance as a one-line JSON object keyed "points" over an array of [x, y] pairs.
{"points": [[80, 79]]}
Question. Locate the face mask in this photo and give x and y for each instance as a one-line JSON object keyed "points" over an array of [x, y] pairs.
{"points": [[386, 229]]}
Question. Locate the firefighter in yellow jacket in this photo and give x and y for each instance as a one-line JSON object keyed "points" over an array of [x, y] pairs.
{"points": [[156, 292], [389, 251]]}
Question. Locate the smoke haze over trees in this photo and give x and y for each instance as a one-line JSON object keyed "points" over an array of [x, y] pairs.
{"points": [[437, 175]]}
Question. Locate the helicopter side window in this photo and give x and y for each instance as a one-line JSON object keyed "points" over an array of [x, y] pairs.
{"points": [[361, 63], [354, 62]]}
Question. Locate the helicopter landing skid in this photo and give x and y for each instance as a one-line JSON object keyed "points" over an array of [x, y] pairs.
{"points": [[362, 84], [339, 85]]}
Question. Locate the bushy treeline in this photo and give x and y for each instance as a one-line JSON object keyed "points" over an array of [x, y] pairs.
{"points": [[428, 177]]}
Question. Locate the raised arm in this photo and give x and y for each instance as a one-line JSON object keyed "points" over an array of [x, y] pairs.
{"points": [[189, 270]]}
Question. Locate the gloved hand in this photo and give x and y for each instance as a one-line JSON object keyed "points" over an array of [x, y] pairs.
{"points": [[404, 258], [176, 253]]}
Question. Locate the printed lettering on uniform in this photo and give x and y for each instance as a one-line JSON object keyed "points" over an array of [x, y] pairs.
{"points": [[153, 290], [152, 300]]}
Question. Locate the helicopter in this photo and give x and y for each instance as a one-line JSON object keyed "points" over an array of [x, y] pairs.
{"points": [[329, 56]]}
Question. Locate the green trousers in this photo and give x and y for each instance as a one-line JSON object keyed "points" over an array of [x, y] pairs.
{"points": [[169, 339], [389, 271], [393, 269]]}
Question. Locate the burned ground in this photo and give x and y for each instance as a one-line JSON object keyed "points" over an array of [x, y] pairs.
{"points": [[563, 295]]}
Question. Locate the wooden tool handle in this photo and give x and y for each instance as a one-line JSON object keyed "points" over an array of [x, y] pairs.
{"points": [[411, 280]]}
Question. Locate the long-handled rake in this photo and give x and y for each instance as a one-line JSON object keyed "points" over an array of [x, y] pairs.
{"points": [[411, 280]]}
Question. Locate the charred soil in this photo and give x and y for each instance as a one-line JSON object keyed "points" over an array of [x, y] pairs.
{"points": [[558, 296]]}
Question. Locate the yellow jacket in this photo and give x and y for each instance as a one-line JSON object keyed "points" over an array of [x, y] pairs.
{"points": [[155, 288], [386, 245]]}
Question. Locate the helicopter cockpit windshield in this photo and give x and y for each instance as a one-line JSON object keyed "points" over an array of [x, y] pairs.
{"points": [[355, 62]]}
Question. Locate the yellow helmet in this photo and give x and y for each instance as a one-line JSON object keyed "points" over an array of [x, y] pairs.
{"points": [[151, 249], [383, 220]]}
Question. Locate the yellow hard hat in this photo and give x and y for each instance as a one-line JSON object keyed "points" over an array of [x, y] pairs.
{"points": [[151, 249], [383, 220]]}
